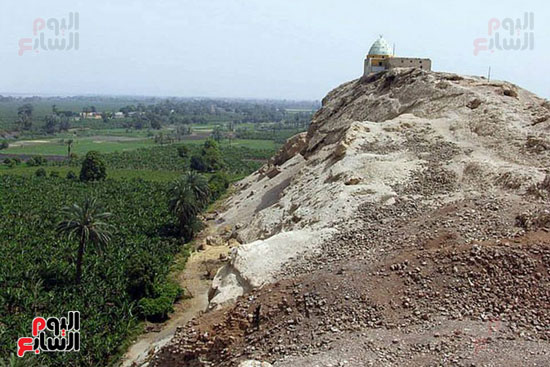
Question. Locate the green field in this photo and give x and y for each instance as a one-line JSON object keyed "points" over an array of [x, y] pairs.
{"points": [[86, 132], [109, 144], [247, 143], [103, 144]]}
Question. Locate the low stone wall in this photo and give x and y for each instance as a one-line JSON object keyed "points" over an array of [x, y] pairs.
{"points": [[409, 62]]}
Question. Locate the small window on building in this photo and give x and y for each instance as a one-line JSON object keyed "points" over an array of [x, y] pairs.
{"points": [[402, 61], [420, 66]]}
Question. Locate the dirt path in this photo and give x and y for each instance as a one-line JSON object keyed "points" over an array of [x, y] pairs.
{"points": [[422, 299], [195, 280]]}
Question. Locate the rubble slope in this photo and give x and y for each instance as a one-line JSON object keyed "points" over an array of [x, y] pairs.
{"points": [[409, 226], [400, 133]]}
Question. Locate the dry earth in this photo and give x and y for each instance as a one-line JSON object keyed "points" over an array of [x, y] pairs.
{"points": [[408, 227], [195, 280]]}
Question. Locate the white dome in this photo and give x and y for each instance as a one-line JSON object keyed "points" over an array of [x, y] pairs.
{"points": [[380, 47]]}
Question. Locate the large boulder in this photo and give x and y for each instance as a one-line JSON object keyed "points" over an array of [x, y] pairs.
{"points": [[258, 263], [294, 145]]}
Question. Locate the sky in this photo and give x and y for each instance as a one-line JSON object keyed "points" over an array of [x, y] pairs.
{"points": [[279, 49]]}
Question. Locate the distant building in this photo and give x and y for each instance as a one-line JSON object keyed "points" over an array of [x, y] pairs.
{"points": [[91, 115], [118, 115], [381, 57]]}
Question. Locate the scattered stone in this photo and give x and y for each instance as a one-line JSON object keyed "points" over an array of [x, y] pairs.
{"points": [[253, 363], [474, 103], [441, 252]]}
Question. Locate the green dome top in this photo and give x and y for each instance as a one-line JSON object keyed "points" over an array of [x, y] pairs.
{"points": [[380, 47]]}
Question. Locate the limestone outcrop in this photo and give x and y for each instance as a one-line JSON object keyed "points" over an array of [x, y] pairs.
{"points": [[408, 227], [400, 132]]}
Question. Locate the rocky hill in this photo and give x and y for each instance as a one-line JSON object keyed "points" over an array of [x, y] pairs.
{"points": [[409, 226]]}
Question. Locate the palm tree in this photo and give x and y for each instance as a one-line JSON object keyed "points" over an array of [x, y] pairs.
{"points": [[188, 196], [199, 185], [183, 202], [69, 146], [86, 223]]}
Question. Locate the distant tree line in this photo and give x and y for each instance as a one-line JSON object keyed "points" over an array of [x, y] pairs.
{"points": [[167, 112]]}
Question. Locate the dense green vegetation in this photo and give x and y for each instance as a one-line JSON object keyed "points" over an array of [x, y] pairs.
{"points": [[123, 279], [37, 270], [278, 135], [93, 167], [93, 211], [236, 159], [115, 174], [31, 117], [72, 126]]}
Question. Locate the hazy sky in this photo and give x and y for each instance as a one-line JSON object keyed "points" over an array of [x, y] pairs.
{"points": [[294, 49]]}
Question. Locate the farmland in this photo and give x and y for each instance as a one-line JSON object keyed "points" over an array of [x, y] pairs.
{"points": [[109, 144], [104, 144], [37, 276], [37, 272], [146, 157]]}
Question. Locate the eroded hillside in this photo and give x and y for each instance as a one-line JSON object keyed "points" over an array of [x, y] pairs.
{"points": [[409, 225]]}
